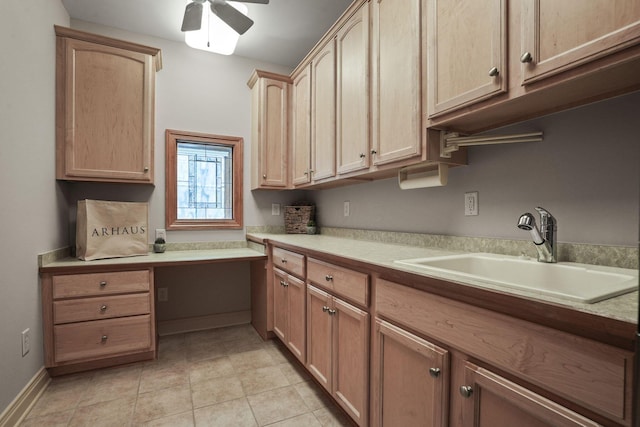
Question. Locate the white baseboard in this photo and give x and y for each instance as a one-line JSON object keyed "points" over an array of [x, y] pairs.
{"points": [[24, 401], [192, 324]]}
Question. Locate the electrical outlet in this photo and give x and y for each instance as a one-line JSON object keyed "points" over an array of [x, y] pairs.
{"points": [[26, 341], [163, 294], [275, 209], [471, 203], [347, 208], [161, 233]]}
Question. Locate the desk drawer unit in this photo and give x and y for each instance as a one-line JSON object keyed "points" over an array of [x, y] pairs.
{"points": [[344, 282], [97, 319]]}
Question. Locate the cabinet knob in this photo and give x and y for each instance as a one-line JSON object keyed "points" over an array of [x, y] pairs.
{"points": [[282, 283], [103, 308], [103, 339], [332, 312], [264, 176], [466, 390], [103, 283], [328, 277], [146, 168], [526, 58], [362, 155], [284, 261], [374, 152], [493, 72], [325, 308], [306, 172], [434, 372]]}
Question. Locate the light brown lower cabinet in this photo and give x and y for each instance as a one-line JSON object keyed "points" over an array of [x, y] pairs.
{"points": [[289, 318], [499, 371], [338, 350], [410, 379]]}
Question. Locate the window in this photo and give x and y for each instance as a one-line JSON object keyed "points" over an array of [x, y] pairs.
{"points": [[203, 181]]}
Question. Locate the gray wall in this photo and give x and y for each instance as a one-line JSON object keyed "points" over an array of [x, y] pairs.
{"points": [[586, 172], [33, 209]]}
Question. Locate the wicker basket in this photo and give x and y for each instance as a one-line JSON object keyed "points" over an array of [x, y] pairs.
{"points": [[296, 218]]}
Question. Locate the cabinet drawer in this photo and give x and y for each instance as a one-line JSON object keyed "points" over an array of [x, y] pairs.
{"points": [[77, 310], [347, 283], [93, 284], [594, 375], [289, 261], [87, 340]]}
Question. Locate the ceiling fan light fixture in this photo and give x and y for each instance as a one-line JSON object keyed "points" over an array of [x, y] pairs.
{"points": [[214, 34]]}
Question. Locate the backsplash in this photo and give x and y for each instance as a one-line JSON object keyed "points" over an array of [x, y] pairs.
{"points": [[615, 256]]}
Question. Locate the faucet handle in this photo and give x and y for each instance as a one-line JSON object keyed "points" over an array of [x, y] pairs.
{"points": [[546, 219]]}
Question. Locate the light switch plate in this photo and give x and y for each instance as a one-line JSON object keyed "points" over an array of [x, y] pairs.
{"points": [[275, 209], [161, 233], [347, 208]]}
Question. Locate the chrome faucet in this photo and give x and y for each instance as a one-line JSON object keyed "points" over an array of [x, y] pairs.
{"points": [[545, 239]]}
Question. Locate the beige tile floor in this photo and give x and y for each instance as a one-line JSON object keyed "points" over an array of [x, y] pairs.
{"points": [[218, 377]]}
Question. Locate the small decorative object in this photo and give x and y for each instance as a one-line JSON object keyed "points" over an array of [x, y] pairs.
{"points": [[159, 246], [311, 227]]}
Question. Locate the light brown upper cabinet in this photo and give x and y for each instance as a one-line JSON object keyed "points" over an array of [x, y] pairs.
{"points": [[467, 52], [397, 64], [561, 35], [561, 54], [301, 127], [269, 133], [105, 95], [352, 98], [323, 113]]}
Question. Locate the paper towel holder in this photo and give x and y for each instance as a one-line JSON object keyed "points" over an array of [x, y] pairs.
{"points": [[423, 176]]}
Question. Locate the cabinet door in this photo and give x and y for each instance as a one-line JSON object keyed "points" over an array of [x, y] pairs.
{"points": [[561, 35], [106, 130], [492, 401], [319, 336], [396, 80], [301, 127], [296, 302], [272, 134], [352, 102], [411, 378], [323, 113], [476, 33], [351, 359], [280, 305]]}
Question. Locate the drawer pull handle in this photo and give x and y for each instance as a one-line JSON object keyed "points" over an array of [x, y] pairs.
{"points": [[282, 283], [466, 391], [104, 339], [434, 372], [103, 283], [328, 277], [325, 309], [332, 312], [284, 261], [103, 308]]}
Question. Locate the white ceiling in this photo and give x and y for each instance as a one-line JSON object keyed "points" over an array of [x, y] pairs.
{"points": [[283, 33]]}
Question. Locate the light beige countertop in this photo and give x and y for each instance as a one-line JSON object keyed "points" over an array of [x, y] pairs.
{"points": [[624, 307], [170, 257]]}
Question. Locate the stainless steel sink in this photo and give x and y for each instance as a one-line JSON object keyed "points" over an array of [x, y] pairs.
{"points": [[576, 282]]}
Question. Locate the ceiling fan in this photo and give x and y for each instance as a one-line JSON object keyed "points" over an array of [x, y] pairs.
{"points": [[229, 14]]}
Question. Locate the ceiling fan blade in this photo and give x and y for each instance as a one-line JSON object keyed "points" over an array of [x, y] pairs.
{"points": [[192, 17], [253, 1], [231, 16]]}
